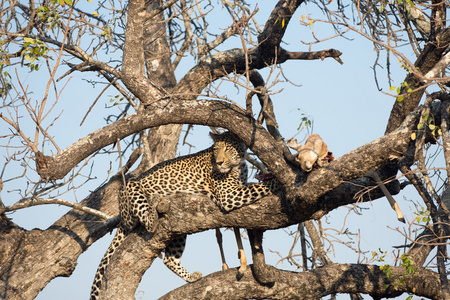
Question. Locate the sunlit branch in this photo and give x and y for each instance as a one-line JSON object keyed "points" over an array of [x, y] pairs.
{"points": [[438, 68], [41, 201], [321, 282], [285, 55]]}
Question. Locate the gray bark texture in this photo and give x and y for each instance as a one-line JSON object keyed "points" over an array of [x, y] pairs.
{"points": [[167, 104]]}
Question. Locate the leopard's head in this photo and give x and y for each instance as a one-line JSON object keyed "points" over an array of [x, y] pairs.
{"points": [[229, 151]]}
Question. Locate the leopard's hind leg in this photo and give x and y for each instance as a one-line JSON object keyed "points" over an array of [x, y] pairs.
{"points": [[172, 258], [142, 205]]}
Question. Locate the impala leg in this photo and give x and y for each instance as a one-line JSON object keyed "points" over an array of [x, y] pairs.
{"points": [[220, 243], [241, 253]]}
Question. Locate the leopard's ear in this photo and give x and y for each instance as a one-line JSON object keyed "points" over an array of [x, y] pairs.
{"points": [[292, 143]]}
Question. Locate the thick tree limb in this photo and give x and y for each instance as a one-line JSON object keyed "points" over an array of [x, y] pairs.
{"points": [[213, 67], [203, 112], [315, 284], [275, 27], [218, 113], [56, 248]]}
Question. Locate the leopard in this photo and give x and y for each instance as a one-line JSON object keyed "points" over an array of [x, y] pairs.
{"points": [[219, 172]]}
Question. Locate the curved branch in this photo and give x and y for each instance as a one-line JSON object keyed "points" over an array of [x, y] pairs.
{"points": [[314, 284], [222, 114], [203, 112]]}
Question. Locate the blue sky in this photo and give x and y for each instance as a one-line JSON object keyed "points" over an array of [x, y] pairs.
{"points": [[347, 109]]}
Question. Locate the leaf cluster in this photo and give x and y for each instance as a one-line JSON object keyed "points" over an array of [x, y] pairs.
{"points": [[33, 49]]}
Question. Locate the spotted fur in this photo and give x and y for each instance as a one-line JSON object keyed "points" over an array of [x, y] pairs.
{"points": [[219, 172]]}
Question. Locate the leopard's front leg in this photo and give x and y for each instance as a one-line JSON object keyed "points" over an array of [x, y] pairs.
{"points": [[233, 196]]}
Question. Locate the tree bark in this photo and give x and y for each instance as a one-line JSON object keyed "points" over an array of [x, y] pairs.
{"points": [[53, 252], [315, 284], [429, 57]]}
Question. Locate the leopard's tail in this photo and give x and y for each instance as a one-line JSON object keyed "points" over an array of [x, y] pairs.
{"points": [[99, 275]]}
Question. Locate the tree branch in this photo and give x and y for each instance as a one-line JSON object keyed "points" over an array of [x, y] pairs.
{"points": [[204, 112], [286, 55], [429, 57], [39, 201], [315, 284]]}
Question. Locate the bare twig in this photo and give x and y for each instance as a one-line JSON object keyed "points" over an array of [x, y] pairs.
{"points": [[41, 201]]}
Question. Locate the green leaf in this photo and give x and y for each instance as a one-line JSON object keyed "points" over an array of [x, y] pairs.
{"points": [[28, 40], [419, 126], [43, 8], [400, 99], [68, 2], [432, 127]]}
